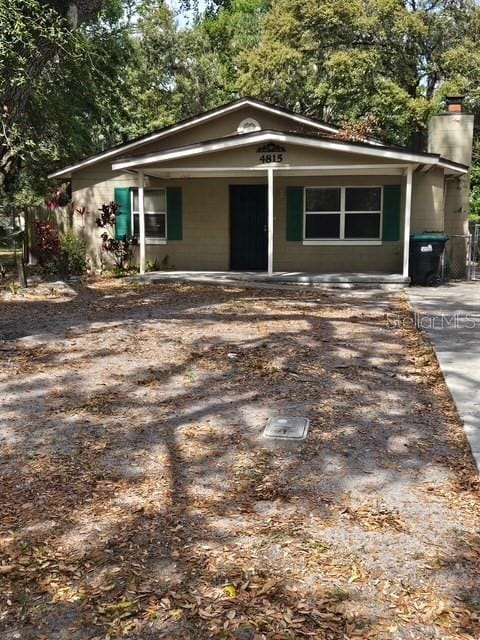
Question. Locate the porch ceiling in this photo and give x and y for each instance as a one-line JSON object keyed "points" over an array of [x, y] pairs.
{"points": [[283, 170]]}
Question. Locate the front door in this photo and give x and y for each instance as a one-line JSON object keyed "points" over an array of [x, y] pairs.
{"points": [[248, 228]]}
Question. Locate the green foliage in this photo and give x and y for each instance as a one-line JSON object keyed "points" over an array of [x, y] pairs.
{"points": [[75, 252], [137, 66], [152, 266], [61, 88], [475, 194], [159, 265], [26, 26], [13, 288], [177, 71], [394, 59]]}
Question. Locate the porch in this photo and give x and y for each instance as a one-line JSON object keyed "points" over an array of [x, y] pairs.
{"points": [[368, 280], [317, 212]]}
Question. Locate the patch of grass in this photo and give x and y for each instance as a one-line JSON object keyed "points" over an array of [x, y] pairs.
{"points": [[7, 258], [13, 288]]}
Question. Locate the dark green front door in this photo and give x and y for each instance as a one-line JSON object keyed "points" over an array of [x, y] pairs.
{"points": [[248, 227]]}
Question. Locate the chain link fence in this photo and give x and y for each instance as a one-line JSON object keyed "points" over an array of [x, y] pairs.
{"points": [[457, 258], [12, 243], [474, 270], [12, 227]]}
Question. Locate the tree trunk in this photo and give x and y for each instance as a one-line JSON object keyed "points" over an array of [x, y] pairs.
{"points": [[77, 11], [21, 271]]}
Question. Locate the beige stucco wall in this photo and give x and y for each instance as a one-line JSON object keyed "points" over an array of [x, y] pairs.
{"points": [[428, 201], [457, 205], [294, 155], [225, 125], [91, 188], [294, 256], [206, 242], [451, 135], [219, 127]]}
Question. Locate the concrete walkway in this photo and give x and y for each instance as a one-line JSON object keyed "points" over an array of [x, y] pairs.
{"points": [[450, 315]]}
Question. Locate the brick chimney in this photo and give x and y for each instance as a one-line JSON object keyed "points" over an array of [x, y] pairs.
{"points": [[455, 104], [451, 135]]}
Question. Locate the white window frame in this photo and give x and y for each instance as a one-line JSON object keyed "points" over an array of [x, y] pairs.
{"points": [[342, 241], [150, 239]]}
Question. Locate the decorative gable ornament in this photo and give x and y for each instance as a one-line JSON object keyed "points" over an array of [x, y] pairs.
{"points": [[271, 147], [248, 125]]}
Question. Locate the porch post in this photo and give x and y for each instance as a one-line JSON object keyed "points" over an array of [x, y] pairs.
{"points": [[141, 218], [406, 228], [270, 221]]}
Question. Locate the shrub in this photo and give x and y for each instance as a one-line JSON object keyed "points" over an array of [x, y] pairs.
{"points": [[118, 249], [475, 194], [57, 198], [75, 253], [48, 242]]}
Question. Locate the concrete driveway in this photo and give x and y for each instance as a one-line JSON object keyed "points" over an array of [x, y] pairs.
{"points": [[450, 315]]}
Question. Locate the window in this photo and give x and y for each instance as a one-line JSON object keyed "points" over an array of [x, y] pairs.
{"points": [[363, 208], [323, 213], [343, 213], [155, 214]]}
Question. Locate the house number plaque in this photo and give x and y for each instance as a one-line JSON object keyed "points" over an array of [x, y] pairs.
{"points": [[271, 153]]}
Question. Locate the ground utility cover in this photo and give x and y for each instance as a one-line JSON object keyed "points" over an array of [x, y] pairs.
{"points": [[287, 428]]}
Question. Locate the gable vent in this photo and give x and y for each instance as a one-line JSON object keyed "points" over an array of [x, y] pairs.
{"points": [[248, 126]]}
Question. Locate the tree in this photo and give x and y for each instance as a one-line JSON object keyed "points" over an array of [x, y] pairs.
{"points": [[179, 70], [393, 59], [34, 36], [81, 106]]}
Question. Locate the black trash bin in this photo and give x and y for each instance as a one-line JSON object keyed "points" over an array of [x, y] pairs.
{"points": [[426, 250]]}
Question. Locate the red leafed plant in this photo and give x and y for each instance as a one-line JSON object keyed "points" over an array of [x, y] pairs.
{"points": [[119, 249], [48, 242], [57, 198]]}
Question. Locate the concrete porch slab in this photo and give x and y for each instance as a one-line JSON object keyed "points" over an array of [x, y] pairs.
{"points": [[254, 278]]}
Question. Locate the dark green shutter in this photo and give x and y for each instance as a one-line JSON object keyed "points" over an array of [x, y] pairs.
{"points": [[174, 213], [123, 220], [295, 214], [392, 195]]}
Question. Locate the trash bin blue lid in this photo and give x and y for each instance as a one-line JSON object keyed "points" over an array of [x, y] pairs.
{"points": [[429, 237]]}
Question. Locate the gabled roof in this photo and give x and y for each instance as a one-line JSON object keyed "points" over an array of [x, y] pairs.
{"points": [[313, 141], [191, 122]]}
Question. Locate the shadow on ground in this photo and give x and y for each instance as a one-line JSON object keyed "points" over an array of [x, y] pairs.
{"points": [[140, 500]]}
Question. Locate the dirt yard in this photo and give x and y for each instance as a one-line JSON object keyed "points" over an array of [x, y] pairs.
{"points": [[139, 500]]}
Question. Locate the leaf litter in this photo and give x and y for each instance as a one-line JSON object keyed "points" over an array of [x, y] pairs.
{"points": [[138, 499]]}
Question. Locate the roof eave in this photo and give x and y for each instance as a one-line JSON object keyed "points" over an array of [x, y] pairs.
{"points": [[222, 144], [66, 172], [453, 168]]}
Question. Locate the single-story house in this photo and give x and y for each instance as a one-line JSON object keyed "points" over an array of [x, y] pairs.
{"points": [[253, 187]]}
